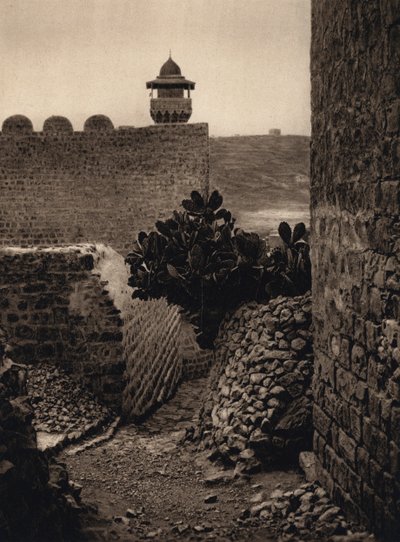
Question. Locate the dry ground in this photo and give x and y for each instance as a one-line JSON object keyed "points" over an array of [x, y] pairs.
{"points": [[147, 473]]}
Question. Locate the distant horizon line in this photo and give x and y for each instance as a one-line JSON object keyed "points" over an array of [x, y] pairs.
{"points": [[261, 134]]}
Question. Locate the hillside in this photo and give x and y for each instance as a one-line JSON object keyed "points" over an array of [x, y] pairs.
{"points": [[264, 179]]}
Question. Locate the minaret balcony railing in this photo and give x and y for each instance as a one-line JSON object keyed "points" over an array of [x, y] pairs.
{"points": [[171, 104]]}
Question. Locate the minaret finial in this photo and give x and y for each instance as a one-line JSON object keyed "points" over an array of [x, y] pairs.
{"points": [[170, 53]]}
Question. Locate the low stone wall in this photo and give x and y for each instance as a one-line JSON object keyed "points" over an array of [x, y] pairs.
{"points": [[72, 306], [37, 502], [258, 410], [56, 308]]}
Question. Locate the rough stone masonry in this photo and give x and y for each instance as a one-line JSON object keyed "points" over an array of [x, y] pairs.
{"points": [[355, 202], [102, 185], [257, 411], [72, 307]]}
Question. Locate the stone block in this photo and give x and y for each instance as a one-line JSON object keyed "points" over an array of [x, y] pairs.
{"points": [[322, 423], [376, 477], [307, 464], [374, 407], [368, 503], [324, 367], [347, 448], [344, 356], [355, 423], [359, 361], [394, 458], [346, 384], [363, 469]]}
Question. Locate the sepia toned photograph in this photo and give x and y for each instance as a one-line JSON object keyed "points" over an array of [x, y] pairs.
{"points": [[200, 270]]}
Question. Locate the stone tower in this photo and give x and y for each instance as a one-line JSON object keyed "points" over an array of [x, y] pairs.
{"points": [[171, 105]]}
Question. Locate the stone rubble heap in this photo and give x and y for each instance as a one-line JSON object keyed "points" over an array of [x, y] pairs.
{"points": [[305, 513], [258, 410], [61, 405], [37, 501]]}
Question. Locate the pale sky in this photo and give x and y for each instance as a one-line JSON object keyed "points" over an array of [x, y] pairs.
{"points": [[249, 59]]}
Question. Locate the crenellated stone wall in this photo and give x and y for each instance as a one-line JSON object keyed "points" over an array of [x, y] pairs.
{"points": [[101, 185], [355, 203]]}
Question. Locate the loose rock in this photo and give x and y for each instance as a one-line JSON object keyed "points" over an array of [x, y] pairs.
{"points": [[258, 409], [61, 405]]}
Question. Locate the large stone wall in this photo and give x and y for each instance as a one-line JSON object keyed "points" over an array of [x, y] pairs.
{"points": [[102, 185], [355, 195]]}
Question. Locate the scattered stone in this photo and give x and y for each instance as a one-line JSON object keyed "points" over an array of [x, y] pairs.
{"points": [[257, 498], [307, 514], [211, 499], [121, 519], [131, 513], [61, 405], [218, 478], [181, 528], [154, 534]]}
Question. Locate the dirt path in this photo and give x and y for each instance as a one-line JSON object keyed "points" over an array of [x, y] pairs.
{"points": [[146, 473]]}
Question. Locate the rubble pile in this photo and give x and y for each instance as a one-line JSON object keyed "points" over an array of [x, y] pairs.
{"points": [[61, 405], [37, 501], [305, 513], [258, 410]]}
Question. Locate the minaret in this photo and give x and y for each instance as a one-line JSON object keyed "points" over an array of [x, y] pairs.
{"points": [[171, 105]]}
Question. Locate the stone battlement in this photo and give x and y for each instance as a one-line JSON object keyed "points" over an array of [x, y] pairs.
{"points": [[20, 125], [102, 184]]}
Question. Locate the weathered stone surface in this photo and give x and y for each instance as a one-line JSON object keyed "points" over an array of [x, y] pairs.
{"points": [[72, 307], [307, 464], [97, 186], [196, 361], [258, 408], [152, 354], [355, 171], [58, 309]]}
